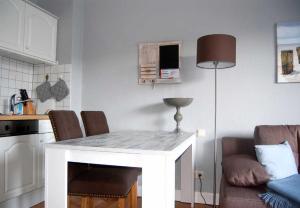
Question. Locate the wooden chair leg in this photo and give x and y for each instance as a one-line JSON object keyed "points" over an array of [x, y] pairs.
{"points": [[69, 201], [129, 198], [84, 202], [87, 202], [91, 202], [133, 196], [121, 202]]}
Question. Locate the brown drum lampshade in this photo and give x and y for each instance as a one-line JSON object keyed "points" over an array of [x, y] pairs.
{"points": [[217, 48]]}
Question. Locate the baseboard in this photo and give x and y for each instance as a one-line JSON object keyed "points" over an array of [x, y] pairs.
{"points": [[198, 199], [25, 200], [35, 197], [208, 197]]}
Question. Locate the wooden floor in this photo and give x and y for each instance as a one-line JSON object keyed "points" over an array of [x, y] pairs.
{"points": [[75, 203]]}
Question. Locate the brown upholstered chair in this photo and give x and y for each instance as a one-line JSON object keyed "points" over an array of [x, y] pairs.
{"points": [[95, 180], [94, 122], [65, 126]]}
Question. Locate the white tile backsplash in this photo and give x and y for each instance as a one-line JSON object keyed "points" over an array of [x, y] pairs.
{"points": [[15, 75], [4, 92], [53, 77], [12, 83], [47, 69], [26, 78], [25, 85], [18, 84], [12, 75], [19, 76], [5, 73], [4, 82], [13, 65], [4, 63]]}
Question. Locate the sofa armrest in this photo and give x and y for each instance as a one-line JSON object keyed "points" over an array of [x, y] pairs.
{"points": [[232, 146]]}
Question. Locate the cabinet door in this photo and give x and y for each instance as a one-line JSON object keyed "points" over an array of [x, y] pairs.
{"points": [[12, 24], [18, 161], [43, 139], [40, 33]]}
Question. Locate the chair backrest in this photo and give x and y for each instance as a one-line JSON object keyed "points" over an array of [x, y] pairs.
{"points": [[94, 122], [65, 125]]}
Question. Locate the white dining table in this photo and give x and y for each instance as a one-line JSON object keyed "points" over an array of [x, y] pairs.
{"points": [[155, 152]]}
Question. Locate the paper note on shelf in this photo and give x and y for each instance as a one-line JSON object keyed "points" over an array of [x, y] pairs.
{"points": [[169, 73]]}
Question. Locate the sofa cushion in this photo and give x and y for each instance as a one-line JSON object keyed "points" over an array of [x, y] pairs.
{"points": [[240, 197], [244, 170], [277, 159], [277, 134]]}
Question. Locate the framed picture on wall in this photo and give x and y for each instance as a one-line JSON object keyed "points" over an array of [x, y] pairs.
{"points": [[288, 52]]}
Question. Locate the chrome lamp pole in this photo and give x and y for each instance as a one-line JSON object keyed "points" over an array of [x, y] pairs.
{"points": [[215, 136]]}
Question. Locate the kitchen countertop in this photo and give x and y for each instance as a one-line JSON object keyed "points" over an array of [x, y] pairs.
{"points": [[23, 117]]}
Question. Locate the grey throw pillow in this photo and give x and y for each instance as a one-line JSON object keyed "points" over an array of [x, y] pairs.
{"points": [[60, 90], [43, 91]]}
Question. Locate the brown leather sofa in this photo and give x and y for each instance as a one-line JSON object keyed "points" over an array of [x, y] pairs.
{"points": [[232, 196]]}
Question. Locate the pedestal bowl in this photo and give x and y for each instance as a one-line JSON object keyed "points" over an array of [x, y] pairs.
{"points": [[178, 103]]}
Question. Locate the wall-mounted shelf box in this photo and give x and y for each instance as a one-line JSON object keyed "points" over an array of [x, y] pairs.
{"points": [[159, 63]]}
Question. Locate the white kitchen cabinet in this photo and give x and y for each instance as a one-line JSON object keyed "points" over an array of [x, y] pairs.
{"points": [[40, 33], [12, 24], [27, 32], [18, 165], [22, 166]]}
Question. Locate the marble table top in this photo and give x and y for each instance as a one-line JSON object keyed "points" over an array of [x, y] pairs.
{"points": [[125, 140]]}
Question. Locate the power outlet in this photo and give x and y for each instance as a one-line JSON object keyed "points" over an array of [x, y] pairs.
{"points": [[197, 172], [201, 133]]}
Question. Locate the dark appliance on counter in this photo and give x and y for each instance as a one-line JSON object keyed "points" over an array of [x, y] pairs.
{"points": [[24, 95], [15, 128]]}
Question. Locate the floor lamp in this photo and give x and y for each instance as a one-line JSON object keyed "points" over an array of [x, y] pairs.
{"points": [[217, 51]]}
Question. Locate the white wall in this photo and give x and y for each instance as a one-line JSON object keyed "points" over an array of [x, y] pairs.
{"points": [[77, 41], [248, 94]]}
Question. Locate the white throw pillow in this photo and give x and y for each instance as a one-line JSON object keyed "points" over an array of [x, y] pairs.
{"points": [[278, 160]]}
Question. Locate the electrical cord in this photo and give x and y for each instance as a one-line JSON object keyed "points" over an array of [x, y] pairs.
{"points": [[201, 194]]}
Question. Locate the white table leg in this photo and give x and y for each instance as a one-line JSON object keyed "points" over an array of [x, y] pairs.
{"points": [[56, 178], [187, 176], [158, 188]]}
